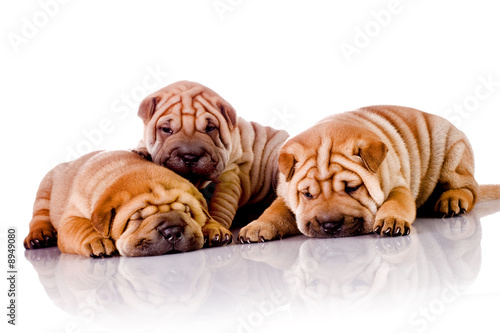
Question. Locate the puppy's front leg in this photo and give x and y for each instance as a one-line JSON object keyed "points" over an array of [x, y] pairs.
{"points": [[226, 197], [397, 213], [77, 235], [276, 222]]}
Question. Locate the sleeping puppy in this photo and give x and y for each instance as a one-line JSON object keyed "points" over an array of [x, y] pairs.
{"points": [[367, 171], [116, 203]]}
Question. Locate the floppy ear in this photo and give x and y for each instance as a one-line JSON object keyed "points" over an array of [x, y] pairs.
{"points": [[373, 154], [287, 163], [147, 108], [228, 113]]}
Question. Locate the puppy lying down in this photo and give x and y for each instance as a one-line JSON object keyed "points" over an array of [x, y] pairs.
{"points": [[370, 170], [117, 203]]}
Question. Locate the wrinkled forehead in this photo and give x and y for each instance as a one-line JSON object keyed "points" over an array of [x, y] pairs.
{"points": [[332, 173], [189, 100]]}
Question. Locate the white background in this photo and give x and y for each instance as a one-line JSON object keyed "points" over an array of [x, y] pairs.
{"points": [[72, 74]]}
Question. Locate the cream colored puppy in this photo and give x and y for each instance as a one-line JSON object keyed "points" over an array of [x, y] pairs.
{"points": [[367, 171]]}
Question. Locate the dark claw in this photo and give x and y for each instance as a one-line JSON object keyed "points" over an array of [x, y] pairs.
{"points": [[388, 232], [397, 232], [50, 241], [463, 211], [35, 244], [377, 230], [215, 240], [407, 231], [227, 239], [100, 255]]}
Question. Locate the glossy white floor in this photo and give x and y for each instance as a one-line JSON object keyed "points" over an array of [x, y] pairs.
{"points": [[443, 277]]}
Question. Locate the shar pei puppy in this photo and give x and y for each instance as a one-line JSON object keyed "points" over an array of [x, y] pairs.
{"points": [[191, 130], [117, 203], [370, 170]]}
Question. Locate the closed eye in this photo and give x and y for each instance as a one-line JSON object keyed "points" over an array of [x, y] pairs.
{"points": [[307, 195], [351, 189], [210, 128]]}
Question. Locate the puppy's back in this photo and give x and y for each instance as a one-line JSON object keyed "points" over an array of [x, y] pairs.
{"points": [[424, 144]]}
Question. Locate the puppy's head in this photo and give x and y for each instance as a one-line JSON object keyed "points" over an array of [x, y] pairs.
{"points": [[146, 217], [187, 128], [329, 179]]}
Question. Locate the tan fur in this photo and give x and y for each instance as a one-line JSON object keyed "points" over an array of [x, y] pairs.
{"points": [[239, 157], [109, 203], [369, 170]]}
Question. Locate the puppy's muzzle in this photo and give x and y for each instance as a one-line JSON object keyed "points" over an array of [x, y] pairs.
{"points": [[190, 156], [332, 228], [192, 161], [172, 234], [334, 224], [172, 227]]}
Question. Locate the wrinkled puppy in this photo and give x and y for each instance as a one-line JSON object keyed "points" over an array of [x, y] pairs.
{"points": [[191, 130], [117, 203], [367, 171]]}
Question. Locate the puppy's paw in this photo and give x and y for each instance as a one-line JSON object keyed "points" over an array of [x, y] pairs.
{"points": [[41, 238], [454, 202], [258, 231], [391, 226], [216, 235], [99, 248]]}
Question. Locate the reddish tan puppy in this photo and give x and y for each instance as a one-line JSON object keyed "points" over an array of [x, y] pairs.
{"points": [[193, 131], [117, 203], [367, 171]]}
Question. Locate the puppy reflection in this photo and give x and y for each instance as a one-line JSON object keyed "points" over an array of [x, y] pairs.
{"points": [[121, 291], [370, 274]]}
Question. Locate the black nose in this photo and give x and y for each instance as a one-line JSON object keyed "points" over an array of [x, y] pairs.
{"points": [[332, 227], [172, 234], [190, 158]]}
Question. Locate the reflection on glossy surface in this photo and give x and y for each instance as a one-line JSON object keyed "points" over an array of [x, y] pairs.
{"points": [[294, 283]]}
